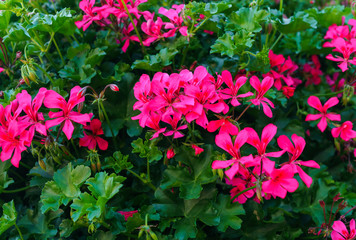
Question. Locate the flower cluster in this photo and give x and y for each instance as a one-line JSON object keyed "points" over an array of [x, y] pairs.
{"points": [[257, 174], [343, 42], [168, 103], [282, 69], [21, 122], [119, 17]]}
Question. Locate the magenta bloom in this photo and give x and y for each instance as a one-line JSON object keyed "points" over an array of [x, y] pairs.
{"points": [[314, 102], [31, 109], [224, 141], [14, 140], [340, 231], [1, 69], [127, 36], [261, 145], [170, 153], [232, 91], [154, 30], [198, 150], [176, 20], [67, 115], [88, 7], [344, 131], [225, 125], [93, 139], [346, 49], [127, 214], [261, 90], [281, 181], [294, 153]]}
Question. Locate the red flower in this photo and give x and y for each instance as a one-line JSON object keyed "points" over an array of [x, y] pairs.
{"points": [[91, 140], [170, 153], [127, 214], [288, 91], [198, 150]]}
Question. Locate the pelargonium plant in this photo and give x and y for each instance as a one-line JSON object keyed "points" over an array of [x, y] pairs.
{"points": [[135, 119]]}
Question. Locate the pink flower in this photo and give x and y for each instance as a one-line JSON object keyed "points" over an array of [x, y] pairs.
{"points": [[198, 150], [344, 131], [1, 69], [92, 139], [281, 181], [294, 153], [173, 121], [88, 7], [314, 71], [261, 90], [176, 20], [224, 141], [232, 90], [346, 49], [153, 122], [127, 37], [239, 186], [67, 115], [14, 140], [127, 214], [268, 133], [154, 30], [225, 125], [31, 109], [170, 153], [314, 102], [340, 231]]}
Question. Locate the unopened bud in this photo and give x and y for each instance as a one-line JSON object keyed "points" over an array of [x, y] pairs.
{"points": [[337, 145], [269, 28], [42, 164], [322, 203], [220, 173], [342, 205], [93, 167], [91, 228], [347, 94], [337, 197], [98, 165], [114, 87], [18, 55], [1, 94]]}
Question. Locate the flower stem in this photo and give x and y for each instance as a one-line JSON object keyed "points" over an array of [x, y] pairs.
{"points": [[44, 72], [277, 40], [280, 5], [145, 181], [243, 191], [18, 229], [58, 50], [134, 25], [108, 122], [244, 112], [329, 94], [16, 190]]}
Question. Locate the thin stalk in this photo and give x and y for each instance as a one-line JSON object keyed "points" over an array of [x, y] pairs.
{"points": [[134, 25], [25, 165], [148, 171], [329, 94], [279, 38], [58, 50], [280, 5], [108, 122], [148, 183], [16, 190], [44, 72], [244, 111], [75, 147], [18, 229], [243, 191], [202, 23]]}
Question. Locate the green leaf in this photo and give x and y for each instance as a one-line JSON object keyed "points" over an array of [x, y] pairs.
{"points": [[156, 62], [224, 45], [85, 204], [4, 19], [185, 228], [217, 7], [69, 180], [104, 185], [95, 57], [8, 218], [5, 181], [51, 197], [246, 18], [228, 213], [299, 22], [118, 162], [147, 149], [62, 22], [328, 15], [17, 33]]}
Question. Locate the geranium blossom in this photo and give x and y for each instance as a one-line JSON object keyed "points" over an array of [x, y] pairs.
{"points": [[344, 131], [92, 139], [340, 231], [261, 90], [314, 102], [66, 115]]}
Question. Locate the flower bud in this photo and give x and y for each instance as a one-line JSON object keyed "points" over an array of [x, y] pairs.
{"points": [[93, 167], [114, 87], [337, 197], [347, 94], [322, 203], [170, 153], [342, 205], [42, 164], [98, 165]]}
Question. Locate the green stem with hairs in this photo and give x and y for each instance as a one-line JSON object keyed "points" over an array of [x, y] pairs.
{"points": [[44, 72], [145, 181], [108, 122], [18, 230], [58, 50], [243, 191]]}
